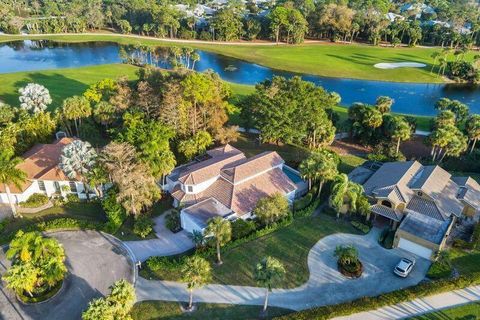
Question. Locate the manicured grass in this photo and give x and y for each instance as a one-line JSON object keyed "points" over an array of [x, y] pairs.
{"points": [[62, 83], [290, 245], [90, 211], [465, 262], [469, 311], [150, 310], [331, 60], [349, 162], [249, 144]]}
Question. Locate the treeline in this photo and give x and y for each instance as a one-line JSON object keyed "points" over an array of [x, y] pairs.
{"points": [[445, 22]]}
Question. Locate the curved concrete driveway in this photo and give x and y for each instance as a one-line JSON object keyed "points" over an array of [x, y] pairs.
{"points": [[166, 244], [94, 262], [325, 285]]}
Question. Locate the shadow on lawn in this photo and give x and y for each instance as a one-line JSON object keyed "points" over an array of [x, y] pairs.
{"points": [[60, 87]]}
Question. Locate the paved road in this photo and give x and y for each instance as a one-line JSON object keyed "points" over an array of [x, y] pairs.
{"points": [[94, 262], [167, 244], [325, 285], [420, 306]]}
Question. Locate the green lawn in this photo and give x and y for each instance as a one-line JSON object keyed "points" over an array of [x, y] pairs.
{"points": [[465, 262], [91, 211], [290, 245], [469, 311], [150, 310], [331, 60], [349, 162], [61, 83]]}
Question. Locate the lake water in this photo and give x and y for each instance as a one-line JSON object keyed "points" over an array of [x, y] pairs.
{"points": [[410, 98]]}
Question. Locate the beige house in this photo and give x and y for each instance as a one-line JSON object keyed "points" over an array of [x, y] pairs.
{"points": [[420, 202], [43, 174], [224, 182]]}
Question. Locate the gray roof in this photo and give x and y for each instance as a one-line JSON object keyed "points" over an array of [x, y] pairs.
{"points": [[425, 207], [390, 181], [360, 174], [469, 191], [425, 227], [204, 210], [387, 212]]}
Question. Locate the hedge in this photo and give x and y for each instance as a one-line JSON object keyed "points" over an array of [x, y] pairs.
{"points": [[56, 224], [420, 290], [360, 226], [36, 200]]}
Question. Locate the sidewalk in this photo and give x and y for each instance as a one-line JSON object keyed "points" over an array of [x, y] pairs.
{"points": [[419, 306]]}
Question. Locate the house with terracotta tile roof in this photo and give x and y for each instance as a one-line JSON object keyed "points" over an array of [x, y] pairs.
{"points": [[422, 203], [43, 174], [224, 182]]}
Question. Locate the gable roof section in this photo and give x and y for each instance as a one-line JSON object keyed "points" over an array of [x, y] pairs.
{"points": [[431, 180], [205, 170], [469, 191], [249, 168], [41, 163], [391, 179]]}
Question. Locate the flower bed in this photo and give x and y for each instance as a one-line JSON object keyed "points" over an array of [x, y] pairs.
{"points": [[351, 270]]}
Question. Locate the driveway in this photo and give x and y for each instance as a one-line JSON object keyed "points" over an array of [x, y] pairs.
{"points": [[166, 244], [325, 285], [94, 260]]}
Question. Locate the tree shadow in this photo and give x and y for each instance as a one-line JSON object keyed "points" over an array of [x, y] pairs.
{"points": [[60, 87]]}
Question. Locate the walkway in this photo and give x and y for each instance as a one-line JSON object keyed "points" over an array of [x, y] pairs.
{"points": [[167, 244], [325, 285], [420, 306]]}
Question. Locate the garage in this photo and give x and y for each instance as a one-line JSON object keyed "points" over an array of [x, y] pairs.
{"points": [[415, 248]]}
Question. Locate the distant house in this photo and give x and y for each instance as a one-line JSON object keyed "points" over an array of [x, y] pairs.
{"points": [[225, 183], [43, 174], [420, 202], [392, 17]]}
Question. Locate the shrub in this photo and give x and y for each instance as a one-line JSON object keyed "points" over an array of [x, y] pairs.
{"points": [[386, 238], [462, 244], [303, 202], [272, 209], [73, 198], [348, 262], [242, 228], [143, 226], [114, 211], [172, 221], [439, 270], [35, 200], [476, 236], [360, 226], [166, 268]]}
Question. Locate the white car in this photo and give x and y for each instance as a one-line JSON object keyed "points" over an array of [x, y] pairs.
{"points": [[404, 267]]}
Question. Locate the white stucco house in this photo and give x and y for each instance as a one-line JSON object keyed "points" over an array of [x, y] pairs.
{"points": [[43, 174], [225, 183]]}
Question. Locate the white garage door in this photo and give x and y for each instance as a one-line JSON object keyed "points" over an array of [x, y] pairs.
{"points": [[415, 248]]}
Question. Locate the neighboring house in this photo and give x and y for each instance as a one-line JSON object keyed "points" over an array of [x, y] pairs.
{"points": [[420, 202], [225, 183], [392, 17], [43, 174]]}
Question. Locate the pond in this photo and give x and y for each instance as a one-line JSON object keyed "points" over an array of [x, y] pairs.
{"points": [[410, 98]]}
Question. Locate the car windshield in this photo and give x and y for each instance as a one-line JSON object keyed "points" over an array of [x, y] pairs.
{"points": [[400, 269]]}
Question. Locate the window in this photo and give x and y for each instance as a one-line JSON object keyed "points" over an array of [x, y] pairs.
{"points": [[73, 186], [386, 203], [41, 186], [189, 188], [57, 187]]}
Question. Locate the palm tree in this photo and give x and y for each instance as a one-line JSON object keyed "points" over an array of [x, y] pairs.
{"points": [[22, 278], [195, 57], [344, 190], [400, 130], [321, 166], [267, 273], [197, 238], [10, 174], [75, 109], [384, 104], [76, 161], [196, 273], [96, 178], [221, 230], [435, 55], [473, 129]]}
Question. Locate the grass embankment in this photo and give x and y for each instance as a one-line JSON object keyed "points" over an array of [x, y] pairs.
{"points": [[150, 310], [290, 245], [469, 311], [323, 59], [64, 83]]}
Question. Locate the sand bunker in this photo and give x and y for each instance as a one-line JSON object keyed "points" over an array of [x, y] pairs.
{"points": [[395, 65]]}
